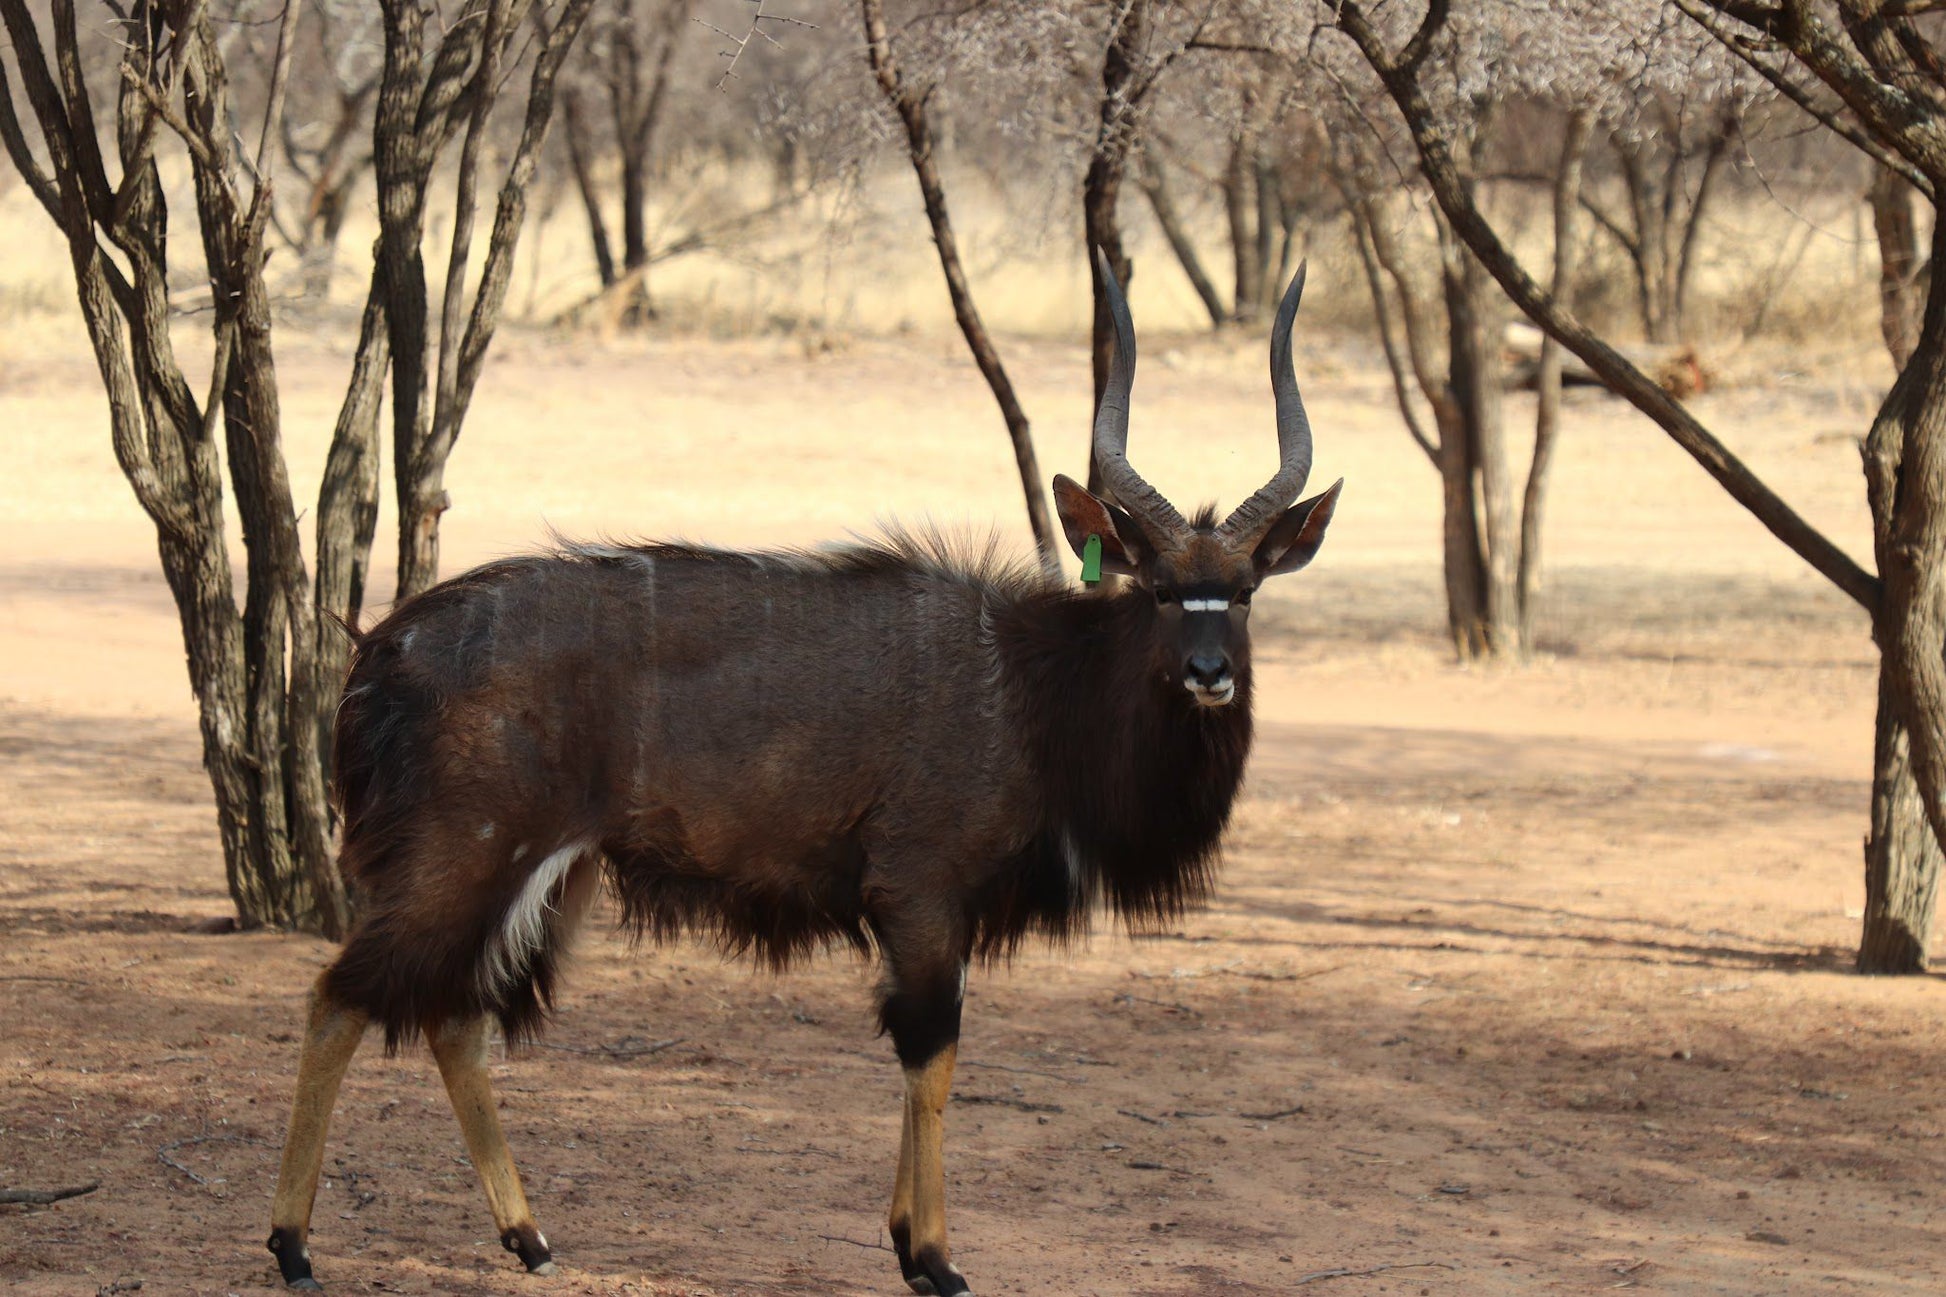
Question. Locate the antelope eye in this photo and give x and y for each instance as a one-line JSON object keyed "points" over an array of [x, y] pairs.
{"points": [[1164, 595], [1243, 597]]}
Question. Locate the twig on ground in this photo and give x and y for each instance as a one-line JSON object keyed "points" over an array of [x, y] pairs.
{"points": [[34, 977], [1141, 1116], [1279, 1115], [1316, 1275], [1024, 1071], [42, 1197], [119, 1286], [1007, 1101], [1170, 1005], [626, 1047], [162, 1154], [807, 1151], [840, 1238], [1139, 1165]]}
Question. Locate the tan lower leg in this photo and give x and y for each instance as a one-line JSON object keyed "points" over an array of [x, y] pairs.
{"points": [[901, 1217], [927, 1088], [331, 1036], [460, 1049]]}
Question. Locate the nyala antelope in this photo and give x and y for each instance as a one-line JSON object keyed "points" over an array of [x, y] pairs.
{"points": [[927, 755]]}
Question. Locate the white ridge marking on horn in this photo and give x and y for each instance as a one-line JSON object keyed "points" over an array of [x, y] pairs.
{"points": [[1206, 605], [525, 927]]}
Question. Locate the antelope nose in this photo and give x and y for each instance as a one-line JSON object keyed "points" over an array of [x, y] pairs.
{"points": [[1207, 669]]}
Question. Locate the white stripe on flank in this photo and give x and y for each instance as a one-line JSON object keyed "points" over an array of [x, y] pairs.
{"points": [[525, 926], [1206, 605]]}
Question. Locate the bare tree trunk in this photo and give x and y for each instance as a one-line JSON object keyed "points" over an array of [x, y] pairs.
{"points": [[1101, 187], [1240, 206], [910, 105], [1905, 473], [638, 102], [1270, 225], [579, 150], [348, 512], [1902, 858], [1902, 855], [1454, 454], [1900, 294], [1716, 152], [421, 103], [1464, 565], [1547, 383], [1155, 184]]}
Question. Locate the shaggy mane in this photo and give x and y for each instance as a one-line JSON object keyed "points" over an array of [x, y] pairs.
{"points": [[980, 561]]}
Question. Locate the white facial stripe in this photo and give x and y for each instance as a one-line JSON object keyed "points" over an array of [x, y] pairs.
{"points": [[1206, 605]]}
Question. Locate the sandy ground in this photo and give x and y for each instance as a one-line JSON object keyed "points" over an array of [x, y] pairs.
{"points": [[1519, 981]]}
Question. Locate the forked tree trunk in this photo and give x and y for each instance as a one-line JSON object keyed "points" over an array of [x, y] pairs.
{"points": [[1666, 213], [420, 103]]}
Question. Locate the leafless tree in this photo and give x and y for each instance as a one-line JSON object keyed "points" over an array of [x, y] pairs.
{"points": [[429, 94], [1143, 40], [1445, 339], [1273, 152], [628, 63], [1670, 150], [1566, 189], [1875, 76], [326, 133], [908, 101], [264, 676], [1902, 268]]}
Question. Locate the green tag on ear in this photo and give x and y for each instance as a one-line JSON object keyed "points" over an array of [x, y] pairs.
{"points": [[1091, 561]]}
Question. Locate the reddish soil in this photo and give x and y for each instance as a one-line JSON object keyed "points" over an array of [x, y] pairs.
{"points": [[1526, 981]]}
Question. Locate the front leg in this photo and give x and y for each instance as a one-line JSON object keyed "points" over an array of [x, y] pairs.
{"points": [[925, 1031]]}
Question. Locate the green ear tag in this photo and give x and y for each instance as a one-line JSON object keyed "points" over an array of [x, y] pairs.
{"points": [[1091, 561]]}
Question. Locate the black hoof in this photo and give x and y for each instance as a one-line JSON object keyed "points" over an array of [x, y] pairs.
{"points": [[293, 1261], [530, 1245], [935, 1276]]}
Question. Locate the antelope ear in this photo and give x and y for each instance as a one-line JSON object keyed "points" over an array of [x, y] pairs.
{"points": [[1293, 540], [1084, 515]]}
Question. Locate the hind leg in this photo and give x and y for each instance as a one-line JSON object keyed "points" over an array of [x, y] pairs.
{"points": [[331, 1037], [460, 1049]]}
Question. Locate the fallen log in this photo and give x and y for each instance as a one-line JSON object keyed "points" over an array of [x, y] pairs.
{"points": [[42, 1197], [1674, 367]]}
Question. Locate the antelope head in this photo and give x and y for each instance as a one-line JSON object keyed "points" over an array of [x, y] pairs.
{"points": [[1197, 578]]}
